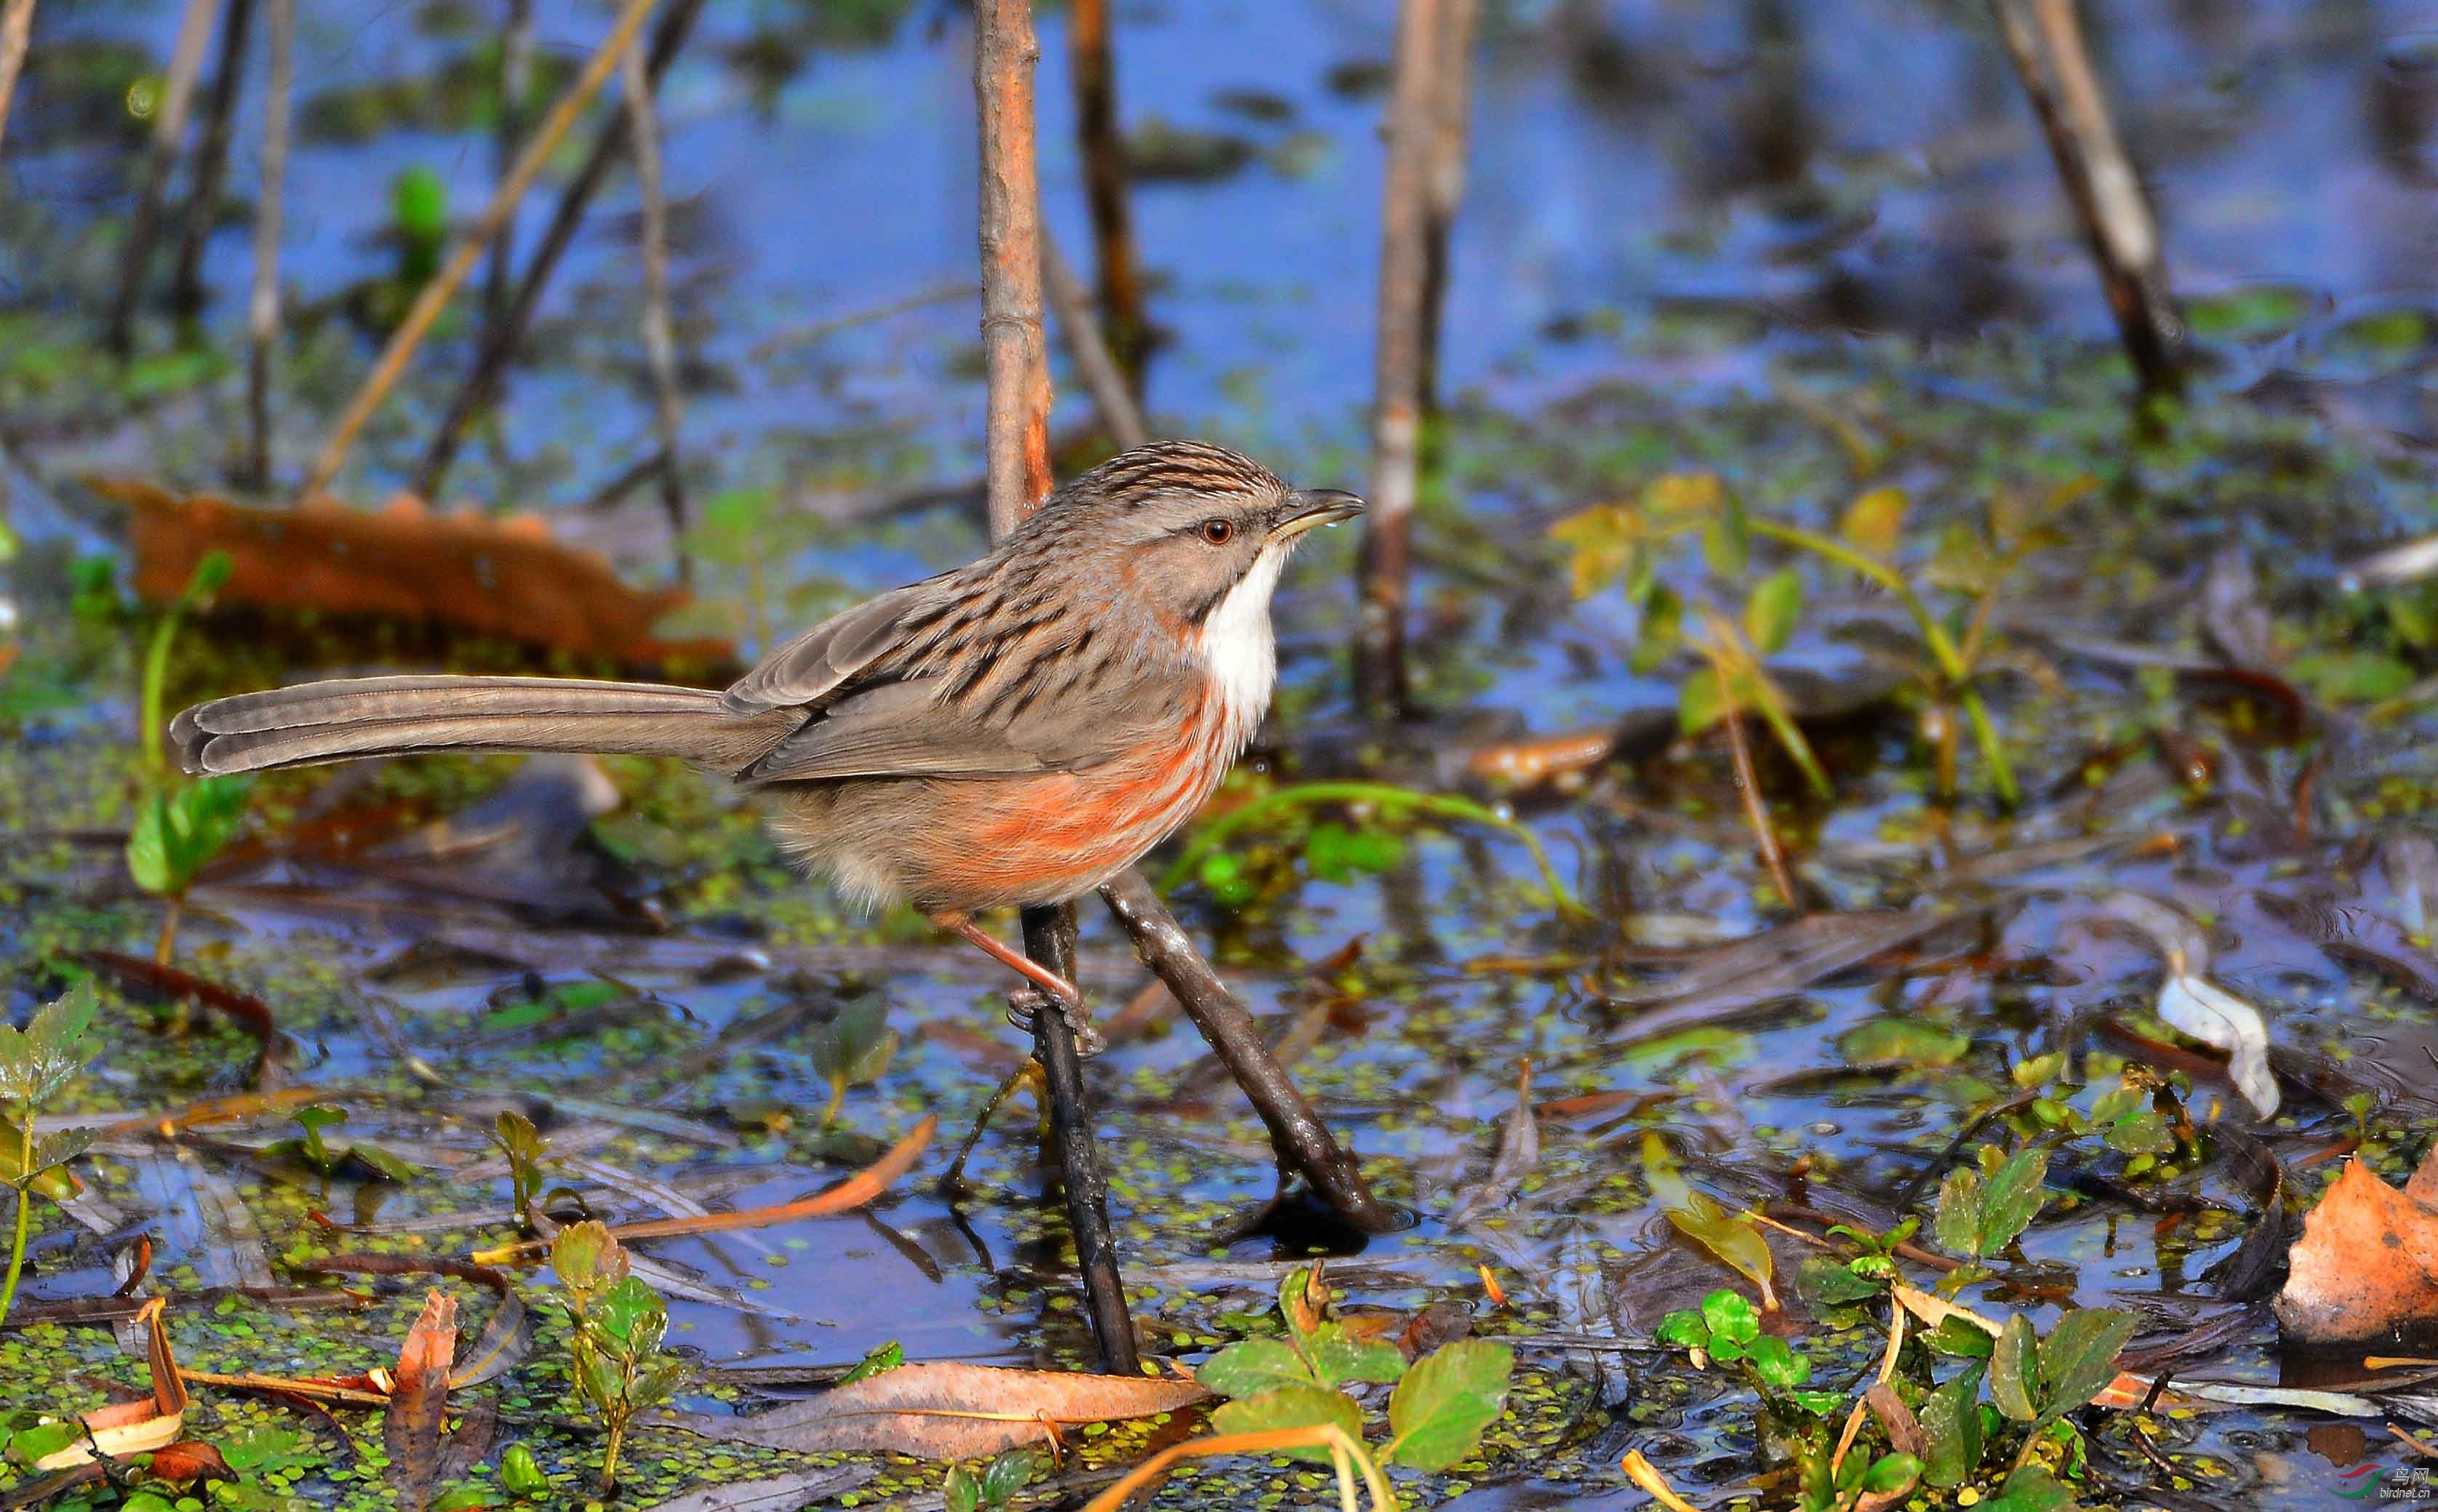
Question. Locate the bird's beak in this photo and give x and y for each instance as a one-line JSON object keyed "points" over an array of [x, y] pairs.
{"points": [[1308, 507]]}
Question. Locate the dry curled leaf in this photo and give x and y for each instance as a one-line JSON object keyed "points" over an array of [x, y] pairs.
{"points": [[133, 1427], [418, 1402], [503, 577], [2366, 1267], [944, 1412]]}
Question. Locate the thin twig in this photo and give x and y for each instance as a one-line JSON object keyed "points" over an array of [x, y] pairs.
{"points": [[168, 128], [2045, 42], [1302, 1141], [16, 33], [500, 344], [1748, 783], [1094, 362], [659, 335], [436, 294], [515, 83], [262, 310], [1380, 679], [1450, 113], [1091, 63], [1017, 463], [211, 161]]}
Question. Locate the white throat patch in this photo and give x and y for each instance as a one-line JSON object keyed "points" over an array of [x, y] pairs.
{"points": [[1239, 650]]}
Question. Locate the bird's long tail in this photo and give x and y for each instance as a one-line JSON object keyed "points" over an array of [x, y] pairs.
{"points": [[358, 717]]}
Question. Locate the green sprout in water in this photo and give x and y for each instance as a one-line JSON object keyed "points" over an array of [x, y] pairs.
{"points": [[965, 1491], [36, 1064], [616, 1323], [179, 825], [852, 1050]]}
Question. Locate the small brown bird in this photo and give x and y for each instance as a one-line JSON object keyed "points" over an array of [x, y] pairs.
{"points": [[1013, 732]]}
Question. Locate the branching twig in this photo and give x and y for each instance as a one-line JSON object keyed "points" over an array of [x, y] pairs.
{"points": [[444, 285], [1016, 462], [16, 32], [168, 128], [263, 309], [500, 340], [1748, 783], [659, 335], [2045, 41], [211, 161]]}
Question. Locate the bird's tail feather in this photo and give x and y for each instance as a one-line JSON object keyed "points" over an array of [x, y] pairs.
{"points": [[388, 716]]}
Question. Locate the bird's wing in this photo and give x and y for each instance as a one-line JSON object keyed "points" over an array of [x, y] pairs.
{"points": [[912, 729], [817, 663]]}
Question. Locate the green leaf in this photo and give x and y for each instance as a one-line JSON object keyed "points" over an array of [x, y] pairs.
{"points": [[1732, 1236], [1777, 1363], [631, 1313], [2031, 1490], [1892, 1475], [854, 1048], [1726, 539], [51, 1151], [587, 1258], [1661, 632], [878, 1361], [39, 1060], [146, 1501], [1339, 1357], [520, 1473], [1252, 1366], [2078, 1357], [1957, 1337], [1291, 1407], [1772, 612], [2012, 1200], [1730, 1317], [1950, 1428], [2014, 1371], [1908, 1041], [1684, 1330], [1833, 1283], [1008, 1474], [178, 830], [962, 1492], [1874, 521], [1699, 701], [1439, 1410]]}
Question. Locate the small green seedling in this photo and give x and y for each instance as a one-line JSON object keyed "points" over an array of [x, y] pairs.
{"points": [[998, 1482], [521, 1474], [179, 825], [1982, 1211], [853, 1049], [335, 1158], [615, 1327], [1441, 1406], [36, 1064], [521, 1145]]}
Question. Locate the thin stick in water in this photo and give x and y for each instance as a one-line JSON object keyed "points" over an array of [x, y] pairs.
{"points": [[444, 285], [1092, 64], [160, 156], [1748, 786], [1451, 114], [660, 334], [1095, 363], [263, 309], [211, 160], [515, 82]]}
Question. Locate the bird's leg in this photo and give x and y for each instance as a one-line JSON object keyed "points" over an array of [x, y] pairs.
{"points": [[1047, 986]]}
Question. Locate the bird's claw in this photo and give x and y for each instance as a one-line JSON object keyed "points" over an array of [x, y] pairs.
{"points": [[1025, 1003]]}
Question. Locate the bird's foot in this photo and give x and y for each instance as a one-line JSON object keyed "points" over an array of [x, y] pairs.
{"points": [[1025, 1004]]}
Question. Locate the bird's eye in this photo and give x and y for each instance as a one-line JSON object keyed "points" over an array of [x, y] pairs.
{"points": [[1218, 532]]}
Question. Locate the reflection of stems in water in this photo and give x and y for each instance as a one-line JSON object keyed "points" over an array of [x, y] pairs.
{"points": [[1954, 667], [25, 1210], [1748, 781], [1093, 68], [1444, 805], [168, 128], [211, 161], [263, 309], [165, 944]]}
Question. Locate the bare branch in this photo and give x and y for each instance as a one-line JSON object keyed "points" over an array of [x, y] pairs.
{"points": [[211, 161], [262, 310], [1092, 64], [1094, 362], [168, 130], [659, 335]]}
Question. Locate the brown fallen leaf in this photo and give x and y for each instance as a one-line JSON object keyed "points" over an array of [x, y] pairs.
{"points": [[133, 1427], [1529, 762], [2366, 1267], [946, 1412], [506, 577], [418, 1402], [189, 1460], [505, 1339]]}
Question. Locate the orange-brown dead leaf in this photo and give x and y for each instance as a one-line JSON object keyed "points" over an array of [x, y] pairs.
{"points": [[189, 1460], [133, 1427], [946, 1412], [2366, 1267], [418, 1402], [506, 577], [1529, 762]]}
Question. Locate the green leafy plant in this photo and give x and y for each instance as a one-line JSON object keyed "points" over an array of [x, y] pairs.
{"points": [[995, 1486], [1621, 542], [1340, 855], [521, 1474], [36, 1064], [333, 1158], [179, 825], [525, 1148], [615, 1323], [1982, 1211], [853, 1049], [1440, 1408]]}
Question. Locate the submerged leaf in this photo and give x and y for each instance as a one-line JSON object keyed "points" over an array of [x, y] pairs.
{"points": [[2078, 1357], [1291, 1407], [1441, 1409], [1733, 1237], [2210, 1013], [947, 1411]]}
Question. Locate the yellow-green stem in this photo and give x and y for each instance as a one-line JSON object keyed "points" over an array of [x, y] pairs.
{"points": [[25, 1211]]}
